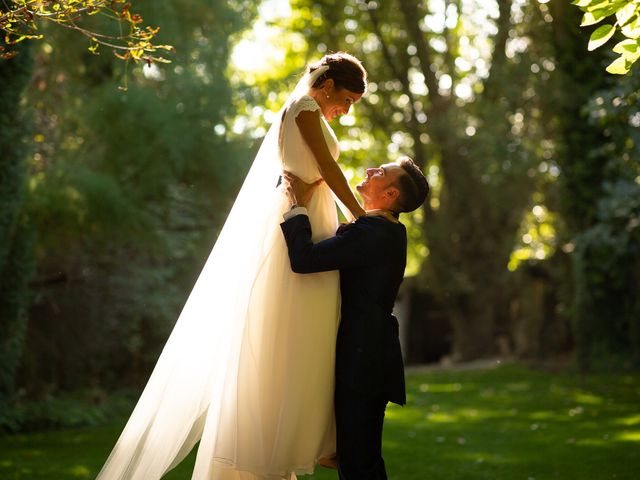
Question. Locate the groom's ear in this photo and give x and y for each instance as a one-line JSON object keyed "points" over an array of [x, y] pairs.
{"points": [[392, 193]]}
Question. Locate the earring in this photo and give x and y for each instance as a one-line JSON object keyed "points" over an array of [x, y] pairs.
{"points": [[327, 95]]}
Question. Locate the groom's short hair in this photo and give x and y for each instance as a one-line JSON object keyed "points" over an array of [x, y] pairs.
{"points": [[413, 186]]}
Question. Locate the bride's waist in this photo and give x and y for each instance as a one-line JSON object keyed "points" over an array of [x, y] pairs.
{"points": [[306, 173]]}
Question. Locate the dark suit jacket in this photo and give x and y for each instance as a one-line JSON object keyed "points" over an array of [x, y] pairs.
{"points": [[371, 256]]}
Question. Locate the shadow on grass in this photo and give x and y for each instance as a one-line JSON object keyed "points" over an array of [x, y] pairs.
{"points": [[508, 423]]}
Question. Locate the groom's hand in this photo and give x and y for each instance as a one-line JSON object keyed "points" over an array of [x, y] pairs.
{"points": [[299, 192]]}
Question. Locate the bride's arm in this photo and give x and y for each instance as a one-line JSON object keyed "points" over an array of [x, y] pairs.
{"points": [[309, 124]]}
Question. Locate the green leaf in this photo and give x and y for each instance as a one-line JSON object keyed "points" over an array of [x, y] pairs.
{"points": [[630, 56], [619, 66], [596, 15], [627, 45], [600, 36], [589, 4], [631, 29], [589, 19], [603, 12], [626, 13]]}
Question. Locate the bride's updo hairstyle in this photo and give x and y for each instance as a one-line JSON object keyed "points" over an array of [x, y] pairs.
{"points": [[345, 70]]}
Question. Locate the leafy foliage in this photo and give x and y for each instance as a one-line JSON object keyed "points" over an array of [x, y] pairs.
{"points": [[595, 117], [19, 20], [608, 261], [84, 408], [16, 233], [127, 192], [580, 157], [607, 256], [626, 20]]}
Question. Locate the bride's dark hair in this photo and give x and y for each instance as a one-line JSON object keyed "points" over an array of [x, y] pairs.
{"points": [[345, 70]]}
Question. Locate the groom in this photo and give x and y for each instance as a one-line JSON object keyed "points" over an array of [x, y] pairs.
{"points": [[371, 256]]}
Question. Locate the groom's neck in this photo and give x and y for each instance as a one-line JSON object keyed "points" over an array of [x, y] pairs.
{"points": [[374, 206]]}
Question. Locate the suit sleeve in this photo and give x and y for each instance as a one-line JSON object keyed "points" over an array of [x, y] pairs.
{"points": [[351, 247]]}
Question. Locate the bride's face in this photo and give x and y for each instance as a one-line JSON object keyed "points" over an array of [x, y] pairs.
{"points": [[336, 101]]}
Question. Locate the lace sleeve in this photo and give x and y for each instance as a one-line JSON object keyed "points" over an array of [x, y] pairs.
{"points": [[305, 103]]}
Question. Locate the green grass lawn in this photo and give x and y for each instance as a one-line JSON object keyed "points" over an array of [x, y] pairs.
{"points": [[508, 423]]}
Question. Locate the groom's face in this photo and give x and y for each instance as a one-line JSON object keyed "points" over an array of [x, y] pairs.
{"points": [[378, 180]]}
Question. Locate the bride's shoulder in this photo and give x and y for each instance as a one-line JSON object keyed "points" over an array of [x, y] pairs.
{"points": [[305, 98], [304, 103]]}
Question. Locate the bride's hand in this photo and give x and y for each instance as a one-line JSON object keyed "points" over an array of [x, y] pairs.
{"points": [[298, 191]]}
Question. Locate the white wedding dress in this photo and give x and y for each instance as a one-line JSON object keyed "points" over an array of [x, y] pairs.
{"points": [[249, 367]]}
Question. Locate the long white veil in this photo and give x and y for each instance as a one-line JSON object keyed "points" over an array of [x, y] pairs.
{"points": [[196, 372]]}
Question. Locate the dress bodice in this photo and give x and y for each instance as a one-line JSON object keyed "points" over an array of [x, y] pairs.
{"points": [[296, 154]]}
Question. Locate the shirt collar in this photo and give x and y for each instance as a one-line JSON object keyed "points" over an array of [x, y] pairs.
{"points": [[387, 214]]}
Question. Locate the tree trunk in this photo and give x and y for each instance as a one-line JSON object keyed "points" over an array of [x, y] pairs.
{"points": [[473, 321]]}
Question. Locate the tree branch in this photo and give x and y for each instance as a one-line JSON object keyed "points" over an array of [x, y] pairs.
{"points": [[449, 54], [19, 23], [402, 74], [499, 55], [411, 16]]}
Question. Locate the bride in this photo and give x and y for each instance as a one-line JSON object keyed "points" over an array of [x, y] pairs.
{"points": [[249, 367]]}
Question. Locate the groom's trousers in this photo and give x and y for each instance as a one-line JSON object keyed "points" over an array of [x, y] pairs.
{"points": [[359, 420]]}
